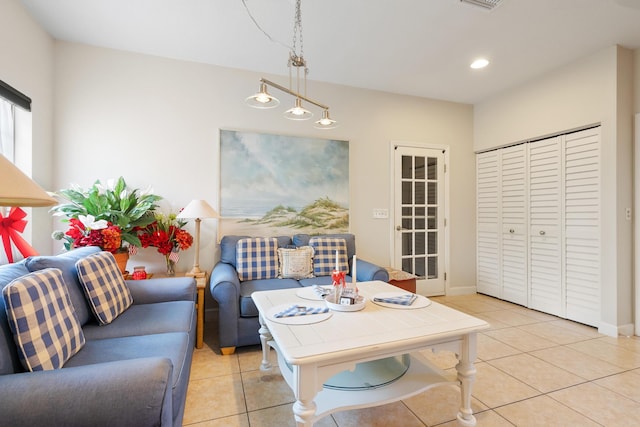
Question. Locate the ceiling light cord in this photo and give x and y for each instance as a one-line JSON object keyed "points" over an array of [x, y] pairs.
{"points": [[244, 2]]}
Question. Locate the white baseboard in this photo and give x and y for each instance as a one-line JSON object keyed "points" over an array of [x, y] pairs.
{"points": [[461, 290], [615, 331]]}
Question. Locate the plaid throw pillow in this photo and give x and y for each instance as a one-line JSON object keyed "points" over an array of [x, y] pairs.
{"points": [[296, 263], [104, 286], [257, 258], [41, 317], [324, 260]]}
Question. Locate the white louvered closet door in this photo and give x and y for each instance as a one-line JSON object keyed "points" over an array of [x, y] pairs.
{"points": [[545, 226], [582, 226], [514, 231], [487, 217]]}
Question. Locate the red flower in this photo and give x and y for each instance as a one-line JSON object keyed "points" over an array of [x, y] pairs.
{"points": [[165, 234]]}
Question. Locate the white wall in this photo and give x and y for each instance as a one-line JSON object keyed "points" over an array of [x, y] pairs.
{"points": [[156, 121], [596, 89], [26, 63]]}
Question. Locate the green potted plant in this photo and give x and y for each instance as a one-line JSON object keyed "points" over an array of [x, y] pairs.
{"points": [[108, 216]]}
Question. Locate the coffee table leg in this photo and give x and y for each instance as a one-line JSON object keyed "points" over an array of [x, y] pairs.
{"points": [[466, 376], [265, 337], [303, 412]]}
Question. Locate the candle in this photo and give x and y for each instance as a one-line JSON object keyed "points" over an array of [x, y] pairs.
{"points": [[336, 260], [353, 275]]}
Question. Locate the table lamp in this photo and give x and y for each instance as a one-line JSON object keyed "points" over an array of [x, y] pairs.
{"points": [[17, 189], [197, 209]]}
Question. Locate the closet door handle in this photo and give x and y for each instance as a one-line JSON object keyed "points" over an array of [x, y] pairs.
{"points": [[542, 233]]}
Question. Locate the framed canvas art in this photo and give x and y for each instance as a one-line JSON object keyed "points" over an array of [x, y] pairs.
{"points": [[275, 185]]}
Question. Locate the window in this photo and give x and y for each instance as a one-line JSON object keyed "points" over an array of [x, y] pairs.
{"points": [[7, 140]]}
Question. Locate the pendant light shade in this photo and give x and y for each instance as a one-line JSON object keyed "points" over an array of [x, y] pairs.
{"points": [[262, 99], [325, 122], [298, 112]]}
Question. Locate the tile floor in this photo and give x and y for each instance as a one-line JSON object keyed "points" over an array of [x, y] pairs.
{"points": [[533, 369]]}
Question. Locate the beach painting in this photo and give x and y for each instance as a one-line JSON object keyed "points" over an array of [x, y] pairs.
{"points": [[276, 185]]}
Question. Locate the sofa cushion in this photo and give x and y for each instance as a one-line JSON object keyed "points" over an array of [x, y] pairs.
{"points": [[9, 360], [325, 259], [43, 321], [104, 286], [174, 346], [247, 306], [66, 262], [296, 263], [228, 247], [145, 319], [257, 258]]}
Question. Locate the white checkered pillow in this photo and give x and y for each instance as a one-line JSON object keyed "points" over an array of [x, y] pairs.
{"points": [[296, 263], [324, 259], [41, 317], [104, 286], [257, 258]]}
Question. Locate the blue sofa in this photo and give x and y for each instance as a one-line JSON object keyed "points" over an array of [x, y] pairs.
{"points": [[238, 316], [131, 372]]}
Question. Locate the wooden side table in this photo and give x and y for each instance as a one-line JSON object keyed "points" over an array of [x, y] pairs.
{"points": [[402, 279]]}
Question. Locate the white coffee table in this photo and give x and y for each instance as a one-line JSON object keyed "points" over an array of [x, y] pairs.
{"points": [[312, 353]]}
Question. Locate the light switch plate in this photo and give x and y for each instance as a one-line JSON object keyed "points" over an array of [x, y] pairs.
{"points": [[381, 213]]}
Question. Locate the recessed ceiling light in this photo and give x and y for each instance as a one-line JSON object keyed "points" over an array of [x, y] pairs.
{"points": [[479, 63]]}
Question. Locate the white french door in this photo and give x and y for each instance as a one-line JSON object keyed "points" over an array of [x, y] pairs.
{"points": [[419, 236]]}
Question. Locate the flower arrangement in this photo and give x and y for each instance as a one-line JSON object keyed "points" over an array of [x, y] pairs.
{"points": [[167, 235], [108, 216]]}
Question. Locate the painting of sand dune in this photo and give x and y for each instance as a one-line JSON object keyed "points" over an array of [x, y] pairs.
{"points": [[282, 185]]}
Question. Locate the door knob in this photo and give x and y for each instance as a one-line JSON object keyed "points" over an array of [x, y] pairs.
{"points": [[542, 233], [511, 230]]}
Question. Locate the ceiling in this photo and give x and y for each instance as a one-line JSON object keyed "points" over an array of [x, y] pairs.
{"points": [[414, 47]]}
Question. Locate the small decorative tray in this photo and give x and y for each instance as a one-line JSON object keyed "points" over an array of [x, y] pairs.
{"points": [[360, 303]]}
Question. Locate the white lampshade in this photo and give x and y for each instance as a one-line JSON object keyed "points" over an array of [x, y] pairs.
{"points": [[198, 209], [17, 189]]}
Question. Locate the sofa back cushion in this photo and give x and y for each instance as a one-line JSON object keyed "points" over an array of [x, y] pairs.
{"points": [[104, 286], [228, 247], [9, 361], [350, 240], [257, 258], [66, 262], [42, 319]]}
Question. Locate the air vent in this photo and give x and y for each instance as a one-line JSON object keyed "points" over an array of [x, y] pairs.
{"points": [[485, 4]]}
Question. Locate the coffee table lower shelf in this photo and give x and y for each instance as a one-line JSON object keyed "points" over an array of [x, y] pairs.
{"points": [[420, 376]]}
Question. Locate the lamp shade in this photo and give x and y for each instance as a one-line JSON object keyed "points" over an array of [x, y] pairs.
{"points": [[198, 209], [17, 189]]}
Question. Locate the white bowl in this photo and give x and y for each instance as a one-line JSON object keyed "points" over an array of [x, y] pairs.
{"points": [[359, 305]]}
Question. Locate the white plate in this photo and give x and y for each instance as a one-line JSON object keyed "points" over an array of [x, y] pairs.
{"points": [[297, 320], [308, 293], [420, 302]]}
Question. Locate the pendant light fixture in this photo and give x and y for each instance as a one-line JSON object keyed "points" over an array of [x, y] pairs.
{"points": [[262, 99]]}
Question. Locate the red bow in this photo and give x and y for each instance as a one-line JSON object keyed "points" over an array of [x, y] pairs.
{"points": [[10, 226]]}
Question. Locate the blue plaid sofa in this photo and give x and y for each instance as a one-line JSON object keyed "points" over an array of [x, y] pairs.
{"points": [[128, 367], [238, 274]]}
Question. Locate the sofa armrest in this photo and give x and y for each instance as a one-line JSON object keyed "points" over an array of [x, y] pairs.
{"points": [[162, 290], [367, 271], [225, 289], [129, 392]]}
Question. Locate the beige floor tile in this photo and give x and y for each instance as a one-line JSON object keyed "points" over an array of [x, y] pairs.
{"points": [[493, 323], [215, 397], [509, 317], [577, 363], [629, 343], [392, 414], [250, 358], [241, 420], [282, 416], [265, 389], [439, 405], [483, 419], [536, 373], [552, 333], [599, 404], [206, 364], [588, 331], [613, 354], [495, 388], [625, 383], [490, 348], [442, 359], [519, 339], [543, 411], [538, 316]]}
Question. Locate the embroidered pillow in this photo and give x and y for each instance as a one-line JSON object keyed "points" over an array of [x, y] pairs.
{"points": [[257, 258], [324, 259], [296, 263], [104, 286], [41, 317]]}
